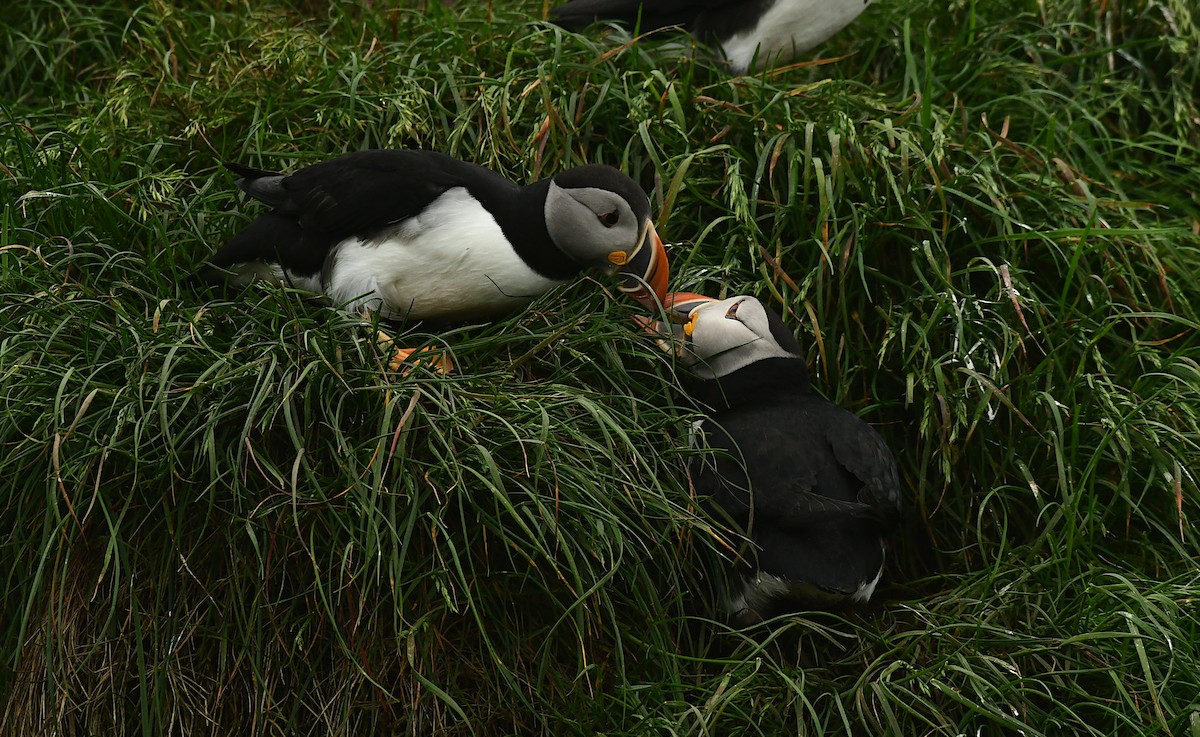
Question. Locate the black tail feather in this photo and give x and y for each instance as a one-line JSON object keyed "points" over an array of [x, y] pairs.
{"points": [[262, 185], [249, 172]]}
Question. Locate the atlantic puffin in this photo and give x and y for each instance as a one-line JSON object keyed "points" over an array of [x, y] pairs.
{"points": [[751, 33], [413, 234], [812, 487]]}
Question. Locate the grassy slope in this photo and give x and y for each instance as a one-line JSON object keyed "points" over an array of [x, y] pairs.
{"points": [[220, 515]]}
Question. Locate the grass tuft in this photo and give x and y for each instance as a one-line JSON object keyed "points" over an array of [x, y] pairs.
{"points": [[221, 514]]}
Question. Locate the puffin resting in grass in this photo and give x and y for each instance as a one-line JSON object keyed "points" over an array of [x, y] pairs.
{"points": [[419, 235], [813, 487], [751, 33]]}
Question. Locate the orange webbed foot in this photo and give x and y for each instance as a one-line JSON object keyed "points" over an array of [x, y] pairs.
{"points": [[402, 359]]}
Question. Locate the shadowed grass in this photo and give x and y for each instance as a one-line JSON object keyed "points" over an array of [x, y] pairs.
{"points": [[222, 515]]}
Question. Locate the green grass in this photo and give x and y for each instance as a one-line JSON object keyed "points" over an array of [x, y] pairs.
{"points": [[220, 515]]}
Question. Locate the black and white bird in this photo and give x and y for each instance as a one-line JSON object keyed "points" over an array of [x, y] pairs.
{"points": [[420, 235], [813, 487], [752, 33]]}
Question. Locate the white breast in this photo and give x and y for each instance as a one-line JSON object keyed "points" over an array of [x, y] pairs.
{"points": [[790, 27], [451, 261]]}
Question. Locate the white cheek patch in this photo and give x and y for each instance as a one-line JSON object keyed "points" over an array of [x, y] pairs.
{"points": [[721, 345], [573, 222]]}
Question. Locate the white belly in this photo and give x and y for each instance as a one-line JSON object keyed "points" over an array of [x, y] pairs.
{"points": [[790, 27], [452, 261]]}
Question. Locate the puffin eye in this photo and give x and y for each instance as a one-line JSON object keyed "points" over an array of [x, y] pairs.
{"points": [[609, 219], [731, 313]]}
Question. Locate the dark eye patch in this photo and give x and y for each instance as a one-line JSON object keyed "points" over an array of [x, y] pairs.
{"points": [[731, 313], [609, 219]]}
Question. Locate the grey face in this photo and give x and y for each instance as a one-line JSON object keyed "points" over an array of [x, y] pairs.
{"points": [[590, 224], [729, 334]]}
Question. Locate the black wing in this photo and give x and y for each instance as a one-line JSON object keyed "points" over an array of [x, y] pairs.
{"points": [[362, 192], [271, 237], [862, 452], [798, 464]]}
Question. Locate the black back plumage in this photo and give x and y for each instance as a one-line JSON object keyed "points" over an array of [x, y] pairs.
{"points": [[814, 487], [366, 192]]}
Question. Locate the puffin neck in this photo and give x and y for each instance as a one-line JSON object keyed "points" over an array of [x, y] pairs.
{"points": [[764, 380], [523, 220]]}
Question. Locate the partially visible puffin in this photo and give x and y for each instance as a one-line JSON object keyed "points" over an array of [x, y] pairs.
{"points": [[418, 234], [751, 33], [813, 487]]}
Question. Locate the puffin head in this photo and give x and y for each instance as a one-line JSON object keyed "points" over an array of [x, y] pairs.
{"points": [[601, 218], [716, 337]]}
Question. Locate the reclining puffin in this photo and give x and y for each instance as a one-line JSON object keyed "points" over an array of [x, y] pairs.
{"points": [[420, 235], [751, 33], [812, 486]]}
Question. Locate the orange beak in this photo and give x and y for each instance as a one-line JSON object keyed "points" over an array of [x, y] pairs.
{"points": [[680, 308], [681, 304], [646, 275]]}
